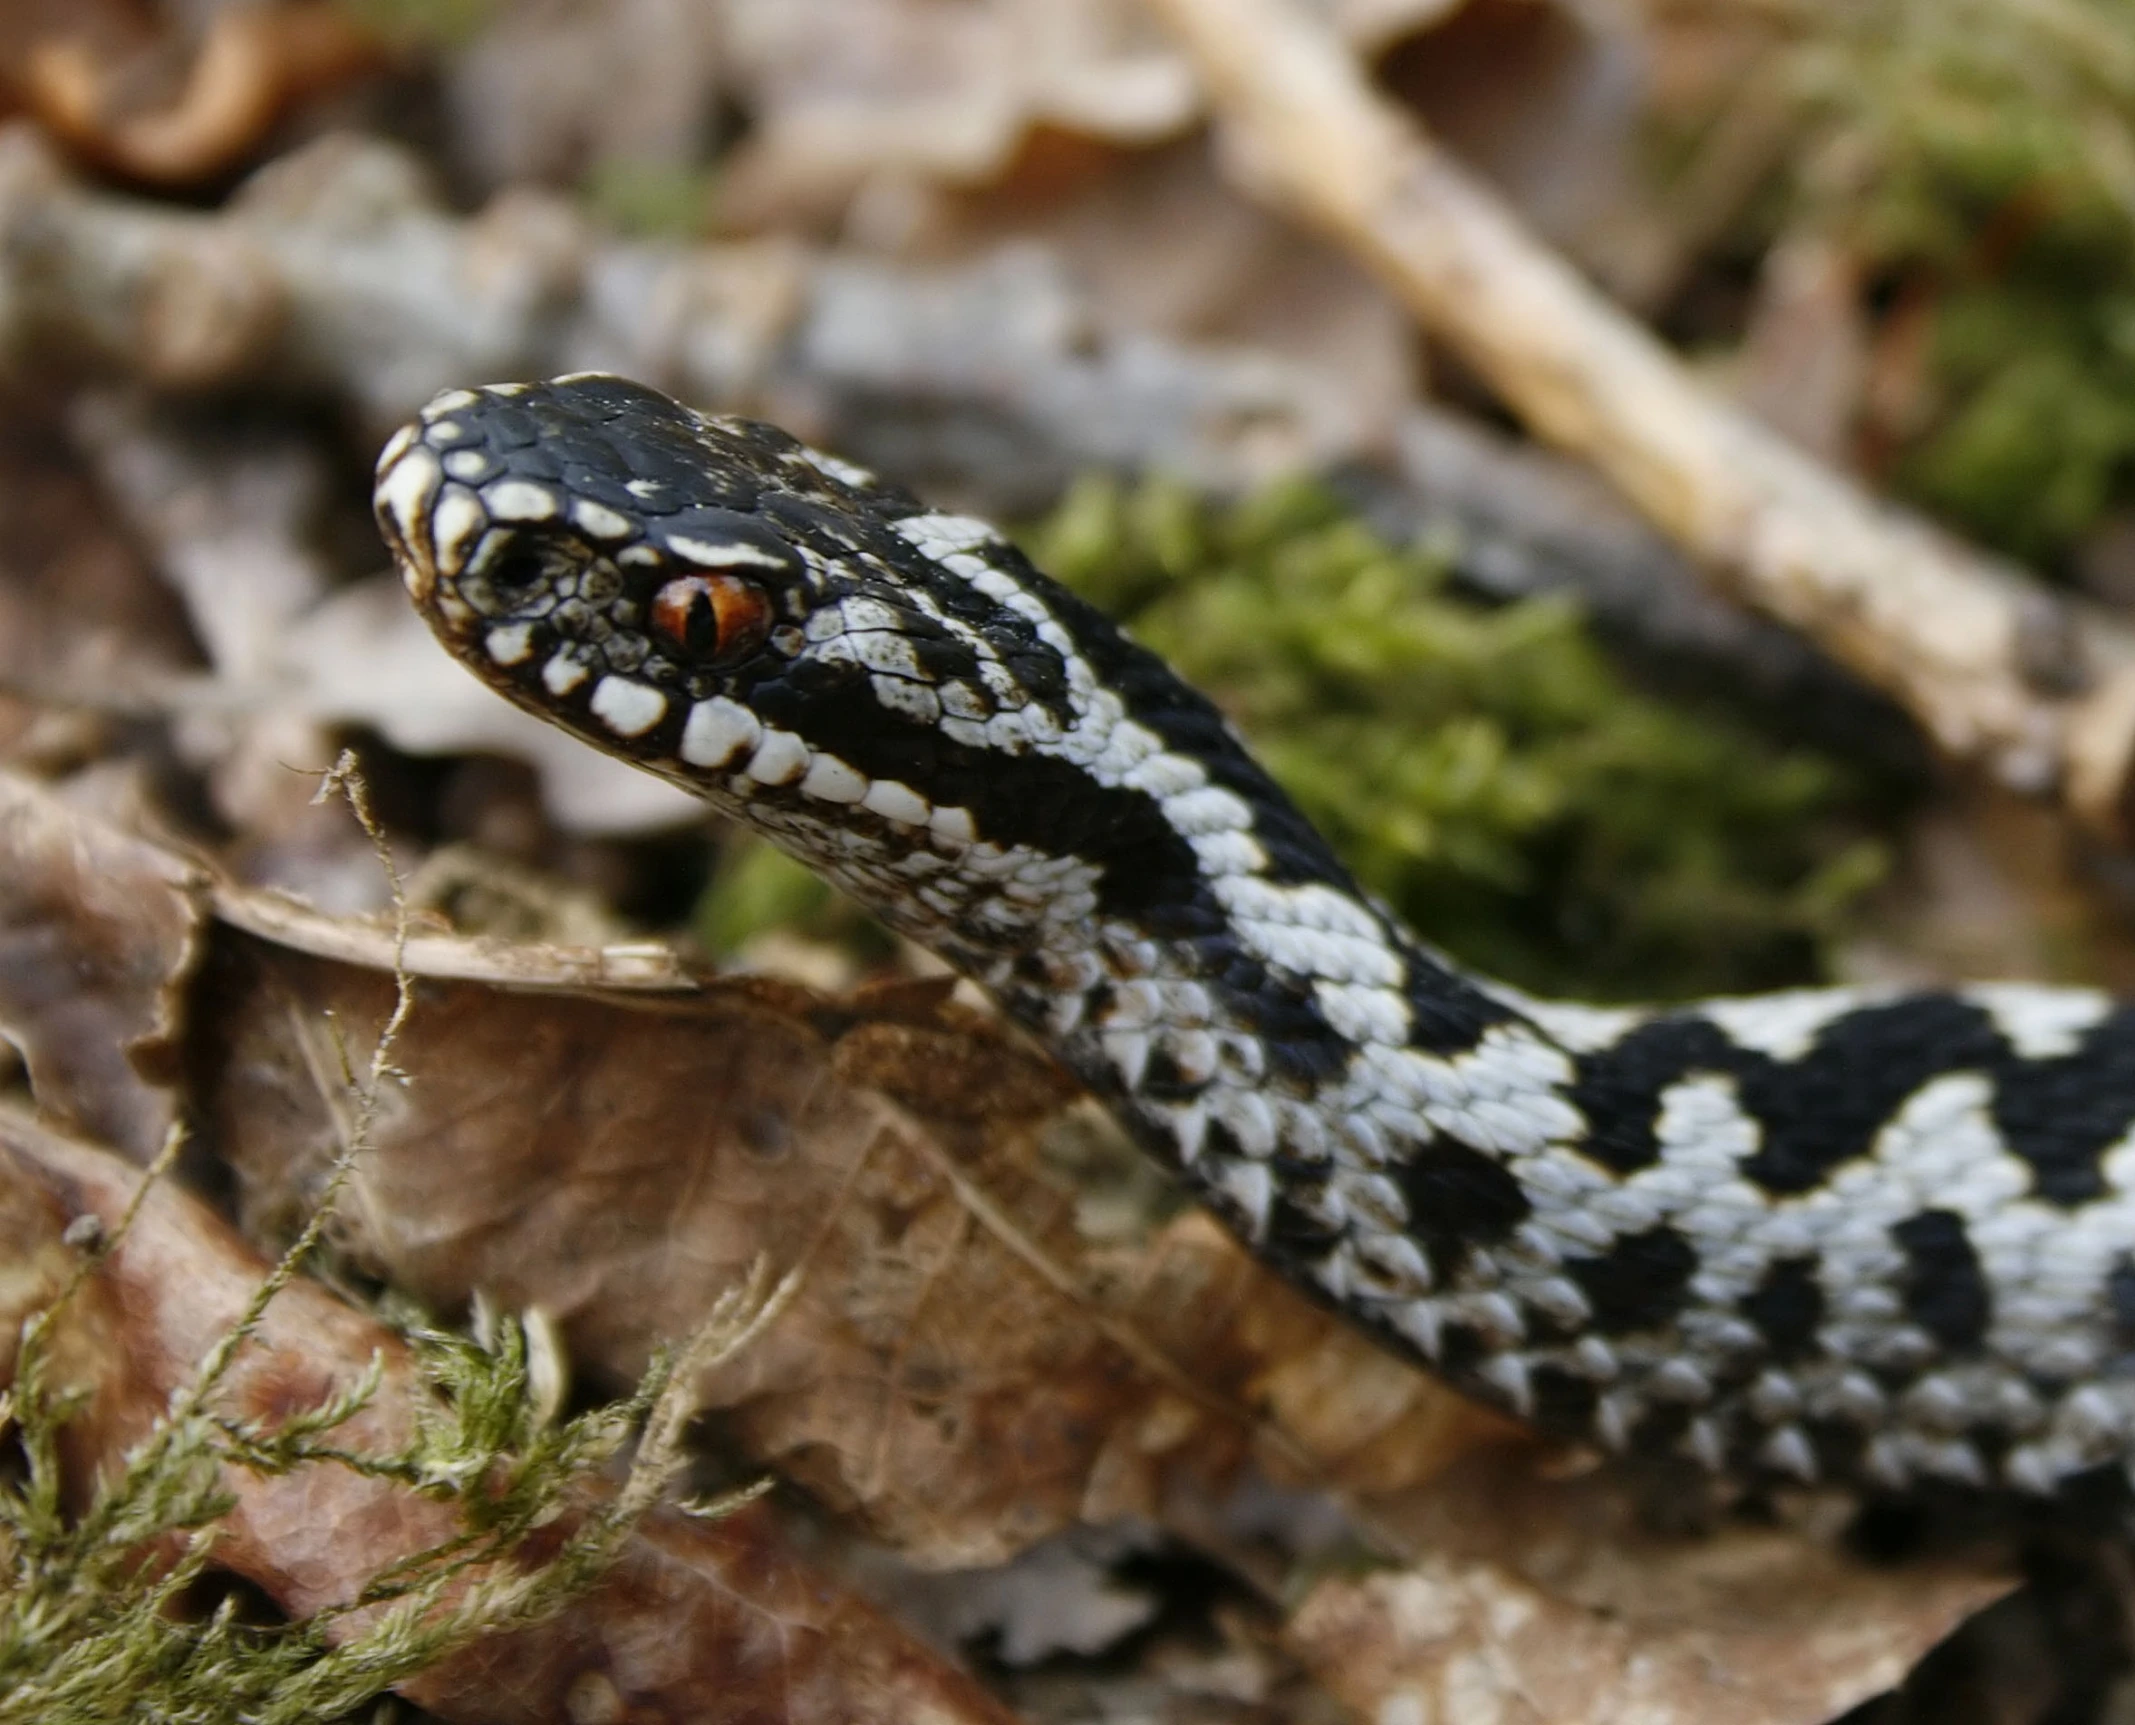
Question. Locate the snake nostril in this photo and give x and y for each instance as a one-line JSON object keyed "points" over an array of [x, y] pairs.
{"points": [[516, 570]]}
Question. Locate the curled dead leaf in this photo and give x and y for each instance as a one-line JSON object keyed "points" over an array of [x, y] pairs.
{"points": [[253, 64]]}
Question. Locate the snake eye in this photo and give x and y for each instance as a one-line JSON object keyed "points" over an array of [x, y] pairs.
{"points": [[722, 617]]}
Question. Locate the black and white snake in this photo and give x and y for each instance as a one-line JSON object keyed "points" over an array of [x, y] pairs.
{"points": [[1832, 1234]]}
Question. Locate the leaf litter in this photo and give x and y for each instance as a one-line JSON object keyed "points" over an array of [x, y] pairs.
{"points": [[1008, 1347], [963, 1370]]}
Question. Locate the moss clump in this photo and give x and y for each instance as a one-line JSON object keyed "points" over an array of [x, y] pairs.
{"points": [[2033, 438], [104, 1616], [1979, 156], [1484, 770]]}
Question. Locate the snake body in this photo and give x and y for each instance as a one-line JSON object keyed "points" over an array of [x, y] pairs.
{"points": [[1881, 1238]]}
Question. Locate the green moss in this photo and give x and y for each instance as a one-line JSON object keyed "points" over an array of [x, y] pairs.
{"points": [[656, 200], [1980, 155], [1930, 105], [424, 23], [103, 1615], [1485, 770], [2036, 439], [755, 888]]}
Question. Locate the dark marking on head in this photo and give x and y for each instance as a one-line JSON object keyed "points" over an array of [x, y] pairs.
{"points": [[1187, 722], [1047, 804]]}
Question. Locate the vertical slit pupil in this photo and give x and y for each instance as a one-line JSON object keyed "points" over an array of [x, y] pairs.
{"points": [[700, 622]]}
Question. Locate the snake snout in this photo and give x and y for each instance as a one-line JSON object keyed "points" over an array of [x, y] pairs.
{"points": [[409, 478]]}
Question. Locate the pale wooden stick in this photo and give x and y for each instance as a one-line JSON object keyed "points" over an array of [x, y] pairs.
{"points": [[1990, 664]]}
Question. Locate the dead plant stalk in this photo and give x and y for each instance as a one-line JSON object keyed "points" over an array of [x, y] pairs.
{"points": [[1955, 636]]}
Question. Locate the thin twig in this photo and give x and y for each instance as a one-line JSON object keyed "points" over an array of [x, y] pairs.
{"points": [[1989, 664]]}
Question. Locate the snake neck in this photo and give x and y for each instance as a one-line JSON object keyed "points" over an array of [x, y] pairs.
{"points": [[1786, 1235], [1137, 891]]}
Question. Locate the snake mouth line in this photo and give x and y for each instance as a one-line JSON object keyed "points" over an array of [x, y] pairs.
{"points": [[409, 476]]}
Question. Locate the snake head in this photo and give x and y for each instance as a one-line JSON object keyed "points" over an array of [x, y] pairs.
{"points": [[677, 587], [599, 552], [772, 627]]}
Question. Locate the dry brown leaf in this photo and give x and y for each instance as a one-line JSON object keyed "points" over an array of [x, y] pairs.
{"points": [[848, 91], [964, 1371], [1562, 1601], [99, 934], [711, 1622], [696, 1620], [1446, 1641], [254, 64], [79, 609]]}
